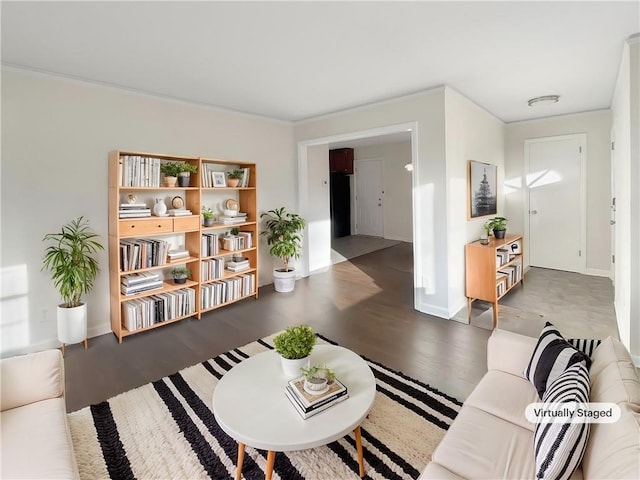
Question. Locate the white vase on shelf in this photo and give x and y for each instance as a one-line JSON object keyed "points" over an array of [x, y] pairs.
{"points": [[159, 208]]}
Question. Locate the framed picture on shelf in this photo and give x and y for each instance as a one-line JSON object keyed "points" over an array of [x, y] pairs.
{"points": [[482, 190], [219, 179]]}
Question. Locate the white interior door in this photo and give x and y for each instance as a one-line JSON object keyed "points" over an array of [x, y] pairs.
{"points": [[556, 202], [369, 199]]}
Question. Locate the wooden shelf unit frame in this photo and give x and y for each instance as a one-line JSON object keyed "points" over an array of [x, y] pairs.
{"points": [[189, 227], [481, 271]]}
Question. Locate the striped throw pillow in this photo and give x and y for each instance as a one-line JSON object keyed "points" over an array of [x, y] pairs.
{"points": [[585, 345], [552, 356], [559, 447]]}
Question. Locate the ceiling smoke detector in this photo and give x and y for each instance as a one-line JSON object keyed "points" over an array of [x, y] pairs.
{"points": [[546, 100]]}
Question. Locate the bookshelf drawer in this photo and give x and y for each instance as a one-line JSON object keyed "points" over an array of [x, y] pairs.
{"points": [[146, 227], [186, 223]]}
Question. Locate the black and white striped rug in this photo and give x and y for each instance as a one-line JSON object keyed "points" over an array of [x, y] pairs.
{"points": [[166, 430]]}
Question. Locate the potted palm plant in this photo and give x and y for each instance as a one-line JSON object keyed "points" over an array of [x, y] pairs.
{"points": [[70, 260], [282, 231], [294, 345]]}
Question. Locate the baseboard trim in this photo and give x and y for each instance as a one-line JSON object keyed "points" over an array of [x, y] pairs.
{"points": [[597, 272], [432, 310]]}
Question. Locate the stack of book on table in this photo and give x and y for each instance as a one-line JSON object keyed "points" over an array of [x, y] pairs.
{"points": [[307, 404], [140, 282], [227, 220], [177, 254], [133, 210]]}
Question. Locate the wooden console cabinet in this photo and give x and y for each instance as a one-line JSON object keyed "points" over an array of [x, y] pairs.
{"points": [[493, 270]]}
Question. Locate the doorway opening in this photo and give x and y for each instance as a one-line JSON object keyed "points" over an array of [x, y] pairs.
{"points": [[391, 148]]}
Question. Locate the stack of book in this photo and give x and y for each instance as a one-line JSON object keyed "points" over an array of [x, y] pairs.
{"points": [[133, 210], [178, 212], [177, 254], [237, 265], [307, 404], [140, 282], [227, 220]]}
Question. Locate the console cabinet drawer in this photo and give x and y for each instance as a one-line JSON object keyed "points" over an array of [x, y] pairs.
{"points": [[146, 227], [186, 223]]}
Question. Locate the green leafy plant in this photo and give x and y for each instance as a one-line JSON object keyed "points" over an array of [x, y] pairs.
{"points": [[235, 231], [295, 342], [171, 169], [207, 212], [282, 234], [180, 272], [188, 167], [319, 371], [487, 227], [498, 223], [235, 174], [70, 260]]}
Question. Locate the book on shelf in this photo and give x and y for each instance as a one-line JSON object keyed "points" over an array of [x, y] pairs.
{"points": [[226, 220], [307, 404], [238, 268], [178, 212], [139, 278], [140, 288], [134, 214], [132, 206]]}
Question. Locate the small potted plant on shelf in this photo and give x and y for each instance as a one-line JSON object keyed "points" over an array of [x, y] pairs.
{"points": [[499, 226], [294, 345], [208, 216], [170, 170], [317, 378], [234, 177], [282, 234], [184, 176], [70, 259], [180, 274]]}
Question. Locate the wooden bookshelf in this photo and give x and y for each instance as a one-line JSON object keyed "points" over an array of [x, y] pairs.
{"points": [[178, 231], [493, 270]]}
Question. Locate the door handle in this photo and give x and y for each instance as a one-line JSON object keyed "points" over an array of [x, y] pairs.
{"points": [[533, 212], [612, 222]]}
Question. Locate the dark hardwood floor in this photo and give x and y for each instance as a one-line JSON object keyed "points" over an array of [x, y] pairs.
{"points": [[365, 304]]}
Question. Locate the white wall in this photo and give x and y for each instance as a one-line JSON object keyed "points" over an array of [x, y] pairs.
{"points": [[625, 131], [56, 135], [397, 211], [318, 224], [597, 127], [430, 198], [471, 134]]}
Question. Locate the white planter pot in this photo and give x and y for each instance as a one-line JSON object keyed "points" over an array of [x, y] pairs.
{"points": [[291, 368], [284, 281], [72, 324]]}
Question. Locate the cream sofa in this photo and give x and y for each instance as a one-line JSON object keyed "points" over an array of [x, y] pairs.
{"points": [[36, 442], [491, 438]]}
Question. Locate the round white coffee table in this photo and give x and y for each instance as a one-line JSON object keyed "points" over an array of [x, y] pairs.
{"points": [[250, 405]]}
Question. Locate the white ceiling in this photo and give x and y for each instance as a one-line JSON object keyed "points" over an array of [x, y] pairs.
{"points": [[297, 60]]}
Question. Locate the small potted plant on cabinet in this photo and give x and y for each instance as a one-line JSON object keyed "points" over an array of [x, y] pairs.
{"points": [[208, 216], [184, 177], [486, 226], [234, 177], [170, 170], [282, 234], [499, 226], [294, 346], [180, 274], [73, 269]]}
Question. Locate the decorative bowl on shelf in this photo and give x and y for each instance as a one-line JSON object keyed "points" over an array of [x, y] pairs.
{"points": [[230, 213]]}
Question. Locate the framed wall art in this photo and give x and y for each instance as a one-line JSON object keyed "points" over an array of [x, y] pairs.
{"points": [[482, 190]]}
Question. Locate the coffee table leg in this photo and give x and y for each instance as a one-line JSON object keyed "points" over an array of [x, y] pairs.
{"points": [[359, 447], [240, 460], [271, 458]]}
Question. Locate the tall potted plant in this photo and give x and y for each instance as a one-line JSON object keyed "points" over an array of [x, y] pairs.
{"points": [[282, 231], [70, 260]]}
